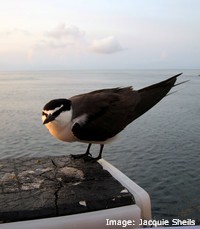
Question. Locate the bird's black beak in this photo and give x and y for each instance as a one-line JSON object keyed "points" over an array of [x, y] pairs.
{"points": [[48, 119]]}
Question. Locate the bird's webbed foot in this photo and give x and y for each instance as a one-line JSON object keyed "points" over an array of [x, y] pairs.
{"points": [[94, 159], [91, 159], [84, 155], [79, 156], [87, 156]]}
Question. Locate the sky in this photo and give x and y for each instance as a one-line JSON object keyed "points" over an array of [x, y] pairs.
{"points": [[99, 34]]}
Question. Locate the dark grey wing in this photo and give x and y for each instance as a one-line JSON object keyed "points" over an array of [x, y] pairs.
{"points": [[108, 112]]}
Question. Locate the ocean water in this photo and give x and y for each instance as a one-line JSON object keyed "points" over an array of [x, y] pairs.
{"points": [[160, 151]]}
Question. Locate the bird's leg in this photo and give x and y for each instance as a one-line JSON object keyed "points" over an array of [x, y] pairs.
{"points": [[101, 151], [86, 154], [93, 159]]}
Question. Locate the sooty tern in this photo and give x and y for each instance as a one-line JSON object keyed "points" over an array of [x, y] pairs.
{"points": [[98, 116]]}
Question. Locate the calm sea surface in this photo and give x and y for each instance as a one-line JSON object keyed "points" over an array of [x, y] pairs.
{"points": [[160, 151]]}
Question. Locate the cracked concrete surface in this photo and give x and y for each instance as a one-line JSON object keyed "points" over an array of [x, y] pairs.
{"points": [[32, 188]]}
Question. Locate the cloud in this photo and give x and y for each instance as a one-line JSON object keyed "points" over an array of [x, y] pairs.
{"points": [[15, 32], [62, 37], [65, 32], [71, 39], [107, 45], [52, 44]]}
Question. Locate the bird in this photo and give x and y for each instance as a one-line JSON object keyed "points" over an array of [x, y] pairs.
{"points": [[97, 117]]}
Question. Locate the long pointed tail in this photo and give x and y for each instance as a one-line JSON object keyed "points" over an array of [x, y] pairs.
{"points": [[151, 95]]}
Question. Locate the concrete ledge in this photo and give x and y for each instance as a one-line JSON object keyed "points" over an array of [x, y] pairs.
{"points": [[34, 188]]}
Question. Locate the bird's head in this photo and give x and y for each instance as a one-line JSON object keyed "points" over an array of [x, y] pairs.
{"points": [[57, 110]]}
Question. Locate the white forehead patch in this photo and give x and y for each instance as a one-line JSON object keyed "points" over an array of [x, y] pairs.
{"points": [[52, 111]]}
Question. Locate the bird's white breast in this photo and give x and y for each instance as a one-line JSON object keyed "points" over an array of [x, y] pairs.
{"points": [[61, 127], [63, 133]]}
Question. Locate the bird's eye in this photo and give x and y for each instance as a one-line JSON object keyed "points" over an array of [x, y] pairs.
{"points": [[43, 113]]}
